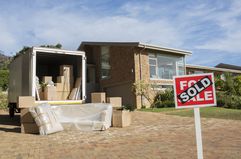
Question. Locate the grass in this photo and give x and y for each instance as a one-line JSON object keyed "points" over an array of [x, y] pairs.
{"points": [[208, 112], [156, 110]]}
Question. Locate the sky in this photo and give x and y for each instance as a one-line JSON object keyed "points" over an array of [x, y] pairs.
{"points": [[211, 29]]}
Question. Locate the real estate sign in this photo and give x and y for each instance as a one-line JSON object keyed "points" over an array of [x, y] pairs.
{"points": [[194, 91]]}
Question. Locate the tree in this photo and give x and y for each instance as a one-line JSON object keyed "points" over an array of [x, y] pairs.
{"points": [[230, 94], [22, 51], [4, 75], [26, 48], [147, 90], [57, 46], [237, 85]]}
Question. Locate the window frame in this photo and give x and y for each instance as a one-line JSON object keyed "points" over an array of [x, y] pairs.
{"points": [[154, 56], [107, 63], [155, 59]]}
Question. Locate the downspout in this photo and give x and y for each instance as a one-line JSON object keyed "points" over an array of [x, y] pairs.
{"points": [[140, 69]]}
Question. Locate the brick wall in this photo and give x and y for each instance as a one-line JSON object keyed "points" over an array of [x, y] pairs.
{"points": [[122, 66], [122, 73], [142, 67]]}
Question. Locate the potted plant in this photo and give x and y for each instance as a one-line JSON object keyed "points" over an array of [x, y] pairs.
{"points": [[121, 117]]}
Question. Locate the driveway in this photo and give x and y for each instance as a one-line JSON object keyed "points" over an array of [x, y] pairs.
{"points": [[151, 135]]}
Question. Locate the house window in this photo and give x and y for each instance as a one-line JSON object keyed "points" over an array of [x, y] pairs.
{"points": [[165, 66], [105, 62], [153, 66]]}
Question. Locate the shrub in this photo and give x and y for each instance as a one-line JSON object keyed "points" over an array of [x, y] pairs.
{"points": [[129, 107], [237, 85], [3, 100], [219, 83], [165, 104], [220, 96], [229, 91], [164, 99], [228, 101], [4, 75], [233, 101]]}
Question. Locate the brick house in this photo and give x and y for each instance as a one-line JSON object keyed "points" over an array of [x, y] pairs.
{"points": [[113, 67], [228, 66], [217, 70]]}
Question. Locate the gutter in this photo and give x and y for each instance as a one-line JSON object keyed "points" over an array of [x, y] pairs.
{"points": [[154, 47]]}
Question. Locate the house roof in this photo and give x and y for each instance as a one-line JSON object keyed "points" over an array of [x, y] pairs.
{"points": [[213, 68], [57, 51], [137, 44], [228, 66]]}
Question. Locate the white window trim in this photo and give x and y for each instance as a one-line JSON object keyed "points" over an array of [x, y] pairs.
{"points": [[155, 58]]}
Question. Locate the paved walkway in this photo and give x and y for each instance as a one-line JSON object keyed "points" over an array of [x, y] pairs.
{"points": [[152, 135]]}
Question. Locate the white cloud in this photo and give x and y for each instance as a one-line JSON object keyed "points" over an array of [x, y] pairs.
{"points": [[229, 20], [198, 26], [70, 28], [7, 39]]}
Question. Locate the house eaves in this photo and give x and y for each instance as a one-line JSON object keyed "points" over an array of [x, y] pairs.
{"points": [[160, 48], [137, 44]]}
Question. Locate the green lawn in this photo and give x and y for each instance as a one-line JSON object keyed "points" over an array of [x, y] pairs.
{"points": [[157, 109], [208, 112]]}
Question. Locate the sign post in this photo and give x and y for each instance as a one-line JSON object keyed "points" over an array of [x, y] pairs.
{"points": [[198, 133], [195, 91]]}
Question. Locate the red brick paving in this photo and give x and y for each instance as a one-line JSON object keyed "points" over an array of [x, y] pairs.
{"points": [[151, 135]]}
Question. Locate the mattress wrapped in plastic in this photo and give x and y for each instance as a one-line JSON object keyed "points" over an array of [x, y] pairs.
{"points": [[93, 116]]}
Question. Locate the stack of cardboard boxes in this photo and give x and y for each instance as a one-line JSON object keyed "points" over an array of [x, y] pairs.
{"points": [[62, 88], [28, 124], [120, 118], [64, 82]]}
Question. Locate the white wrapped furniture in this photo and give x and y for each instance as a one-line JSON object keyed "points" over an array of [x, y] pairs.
{"points": [[46, 119], [93, 116]]}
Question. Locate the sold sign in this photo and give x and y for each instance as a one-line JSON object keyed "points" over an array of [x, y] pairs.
{"points": [[194, 91]]}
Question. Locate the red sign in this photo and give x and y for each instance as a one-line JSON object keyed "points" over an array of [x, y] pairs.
{"points": [[194, 91]]}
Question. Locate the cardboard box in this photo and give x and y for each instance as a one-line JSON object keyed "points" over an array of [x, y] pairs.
{"points": [[98, 97], [60, 79], [26, 101], [29, 128], [73, 94], [115, 101], [67, 72], [62, 95], [62, 87], [66, 69], [121, 118], [50, 93], [26, 116], [46, 79]]}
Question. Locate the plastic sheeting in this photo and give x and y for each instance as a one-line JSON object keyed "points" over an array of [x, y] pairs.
{"points": [[86, 117], [46, 119]]}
